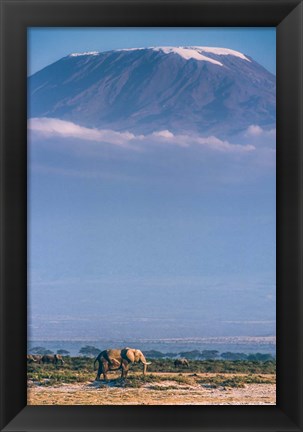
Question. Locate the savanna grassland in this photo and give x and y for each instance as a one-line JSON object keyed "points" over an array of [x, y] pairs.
{"points": [[205, 382]]}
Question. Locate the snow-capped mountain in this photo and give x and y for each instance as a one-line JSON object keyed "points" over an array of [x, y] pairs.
{"points": [[199, 89]]}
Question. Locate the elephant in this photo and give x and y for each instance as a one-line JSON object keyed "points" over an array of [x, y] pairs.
{"points": [[31, 359], [119, 359], [37, 358], [54, 359], [181, 362]]}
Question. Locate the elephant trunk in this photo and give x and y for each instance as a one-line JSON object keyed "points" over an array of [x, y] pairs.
{"points": [[144, 368], [145, 363]]}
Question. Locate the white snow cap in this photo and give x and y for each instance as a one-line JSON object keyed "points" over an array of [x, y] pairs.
{"points": [[186, 52], [198, 53], [89, 53]]}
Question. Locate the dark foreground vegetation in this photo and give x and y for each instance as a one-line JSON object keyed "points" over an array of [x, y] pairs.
{"points": [[80, 370]]}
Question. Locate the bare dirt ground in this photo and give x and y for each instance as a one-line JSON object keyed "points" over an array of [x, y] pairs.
{"points": [[166, 391]]}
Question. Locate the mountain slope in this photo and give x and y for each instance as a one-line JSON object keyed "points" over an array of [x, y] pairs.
{"points": [[198, 89]]}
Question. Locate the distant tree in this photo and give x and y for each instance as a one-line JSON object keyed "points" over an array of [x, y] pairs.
{"points": [[170, 355], [209, 354], [190, 354], [63, 352], [154, 354], [89, 351], [37, 349], [260, 357], [40, 350], [233, 356]]}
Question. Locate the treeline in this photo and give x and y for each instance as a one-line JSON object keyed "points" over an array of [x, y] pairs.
{"points": [[91, 351], [77, 369], [210, 355]]}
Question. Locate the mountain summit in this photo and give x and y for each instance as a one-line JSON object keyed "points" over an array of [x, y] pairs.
{"points": [[199, 89]]}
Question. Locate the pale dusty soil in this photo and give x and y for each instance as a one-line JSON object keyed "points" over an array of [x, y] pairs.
{"points": [[167, 392]]}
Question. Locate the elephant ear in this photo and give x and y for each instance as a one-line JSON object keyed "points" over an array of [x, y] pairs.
{"points": [[130, 355], [138, 354]]}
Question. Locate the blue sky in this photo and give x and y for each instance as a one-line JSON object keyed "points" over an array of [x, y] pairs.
{"points": [[46, 45], [169, 241]]}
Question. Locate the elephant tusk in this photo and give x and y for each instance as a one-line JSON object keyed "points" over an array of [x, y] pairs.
{"points": [[147, 363]]}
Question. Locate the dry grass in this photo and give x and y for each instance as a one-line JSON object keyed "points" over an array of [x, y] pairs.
{"points": [[244, 383], [161, 389]]}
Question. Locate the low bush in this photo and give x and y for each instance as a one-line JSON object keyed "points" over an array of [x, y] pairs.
{"points": [[81, 369]]}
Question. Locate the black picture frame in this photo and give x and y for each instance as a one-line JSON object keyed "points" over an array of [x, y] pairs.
{"points": [[16, 16]]}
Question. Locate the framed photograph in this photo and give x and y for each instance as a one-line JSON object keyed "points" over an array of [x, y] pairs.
{"points": [[151, 188]]}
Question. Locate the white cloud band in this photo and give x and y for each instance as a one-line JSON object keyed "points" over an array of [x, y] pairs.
{"points": [[52, 127]]}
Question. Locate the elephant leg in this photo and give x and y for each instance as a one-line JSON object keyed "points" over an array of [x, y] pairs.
{"points": [[114, 363], [100, 371], [105, 369], [125, 368]]}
